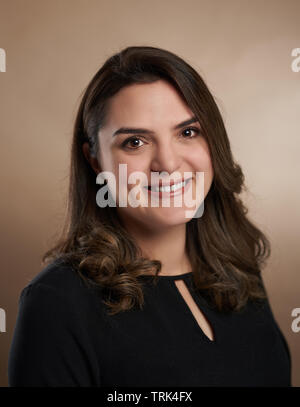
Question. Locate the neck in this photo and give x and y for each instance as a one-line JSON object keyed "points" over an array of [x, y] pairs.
{"points": [[166, 245]]}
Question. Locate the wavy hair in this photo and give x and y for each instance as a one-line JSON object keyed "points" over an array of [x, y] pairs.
{"points": [[226, 250]]}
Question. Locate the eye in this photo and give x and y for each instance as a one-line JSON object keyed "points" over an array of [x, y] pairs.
{"points": [[131, 140], [135, 140], [191, 129]]}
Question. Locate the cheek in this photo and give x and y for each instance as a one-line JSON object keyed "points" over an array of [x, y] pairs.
{"points": [[132, 165], [200, 159], [107, 156]]}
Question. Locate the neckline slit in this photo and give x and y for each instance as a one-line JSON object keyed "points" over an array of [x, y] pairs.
{"points": [[198, 313]]}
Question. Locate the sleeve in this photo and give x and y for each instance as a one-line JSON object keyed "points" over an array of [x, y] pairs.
{"points": [[282, 337], [50, 346]]}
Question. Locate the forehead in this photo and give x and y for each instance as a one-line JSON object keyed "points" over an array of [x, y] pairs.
{"points": [[147, 104]]}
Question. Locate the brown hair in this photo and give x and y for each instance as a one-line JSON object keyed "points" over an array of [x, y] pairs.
{"points": [[226, 250]]}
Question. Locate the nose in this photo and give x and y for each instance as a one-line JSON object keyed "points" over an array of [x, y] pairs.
{"points": [[166, 158]]}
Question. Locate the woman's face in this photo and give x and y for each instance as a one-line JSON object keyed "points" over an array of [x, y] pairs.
{"points": [[158, 109]]}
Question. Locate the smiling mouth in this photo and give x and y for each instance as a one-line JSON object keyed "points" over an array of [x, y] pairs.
{"points": [[168, 188]]}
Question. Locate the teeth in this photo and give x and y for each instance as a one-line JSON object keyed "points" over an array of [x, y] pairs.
{"points": [[174, 187]]}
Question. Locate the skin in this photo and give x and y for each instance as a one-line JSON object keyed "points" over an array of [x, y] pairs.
{"points": [[159, 231]]}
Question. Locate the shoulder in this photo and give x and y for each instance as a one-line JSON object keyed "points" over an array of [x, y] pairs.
{"points": [[58, 273], [57, 327], [59, 282]]}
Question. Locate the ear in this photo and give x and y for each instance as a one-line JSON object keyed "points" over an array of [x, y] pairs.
{"points": [[91, 159]]}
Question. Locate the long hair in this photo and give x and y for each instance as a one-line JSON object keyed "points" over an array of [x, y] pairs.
{"points": [[226, 250]]}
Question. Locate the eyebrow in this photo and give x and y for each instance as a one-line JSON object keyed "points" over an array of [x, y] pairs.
{"points": [[134, 130]]}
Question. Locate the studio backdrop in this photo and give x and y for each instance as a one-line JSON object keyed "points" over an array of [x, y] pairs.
{"points": [[247, 52]]}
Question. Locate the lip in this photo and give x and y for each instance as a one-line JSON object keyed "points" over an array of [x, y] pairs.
{"points": [[162, 194], [166, 184]]}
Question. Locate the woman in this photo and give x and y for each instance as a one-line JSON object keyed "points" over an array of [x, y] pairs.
{"points": [[146, 295]]}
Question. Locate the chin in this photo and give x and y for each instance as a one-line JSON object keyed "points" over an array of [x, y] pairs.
{"points": [[168, 217]]}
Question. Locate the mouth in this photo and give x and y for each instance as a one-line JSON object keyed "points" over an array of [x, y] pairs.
{"points": [[168, 190]]}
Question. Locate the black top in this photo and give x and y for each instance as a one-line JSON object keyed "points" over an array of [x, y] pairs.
{"points": [[64, 337]]}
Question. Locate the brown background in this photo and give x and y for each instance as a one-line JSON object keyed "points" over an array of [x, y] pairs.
{"points": [[243, 51]]}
